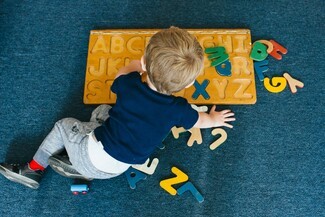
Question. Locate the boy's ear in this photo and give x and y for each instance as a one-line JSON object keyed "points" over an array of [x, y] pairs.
{"points": [[143, 64], [190, 84]]}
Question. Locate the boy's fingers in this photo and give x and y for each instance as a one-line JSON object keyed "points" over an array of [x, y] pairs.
{"points": [[225, 111], [230, 119], [229, 115], [228, 125]]}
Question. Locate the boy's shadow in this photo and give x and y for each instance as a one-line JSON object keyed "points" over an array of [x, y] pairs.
{"points": [[24, 146], [22, 149], [19, 152]]}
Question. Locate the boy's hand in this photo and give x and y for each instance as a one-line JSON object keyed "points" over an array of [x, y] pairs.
{"points": [[221, 118], [215, 119], [134, 65]]}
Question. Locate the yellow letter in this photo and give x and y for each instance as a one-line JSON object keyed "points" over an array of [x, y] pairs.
{"points": [[101, 68], [278, 84], [117, 44], [112, 67], [240, 93], [100, 45], [240, 44], [167, 183], [240, 65], [131, 41], [226, 43], [205, 44], [221, 87]]}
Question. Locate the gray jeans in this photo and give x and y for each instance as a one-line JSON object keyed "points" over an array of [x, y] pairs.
{"points": [[72, 135]]}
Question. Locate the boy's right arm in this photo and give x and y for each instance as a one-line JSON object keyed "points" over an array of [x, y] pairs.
{"points": [[135, 65], [214, 119]]}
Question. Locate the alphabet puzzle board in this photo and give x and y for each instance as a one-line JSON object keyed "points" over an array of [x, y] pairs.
{"points": [[110, 50]]}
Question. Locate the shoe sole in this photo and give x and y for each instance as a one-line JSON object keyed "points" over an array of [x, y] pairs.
{"points": [[64, 170], [15, 177]]}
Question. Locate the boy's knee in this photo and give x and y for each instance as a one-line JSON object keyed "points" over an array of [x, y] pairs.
{"points": [[100, 114], [66, 121]]}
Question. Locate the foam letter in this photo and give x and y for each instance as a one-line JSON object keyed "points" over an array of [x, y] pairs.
{"points": [[278, 84], [276, 49], [146, 168], [196, 136], [217, 54], [224, 69], [293, 83], [200, 108], [200, 89], [188, 186], [260, 68], [133, 176], [222, 139], [268, 44], [259, 51], [167, 183], [177, 130]]}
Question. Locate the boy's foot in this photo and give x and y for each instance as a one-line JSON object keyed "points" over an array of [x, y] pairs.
{"points": [[21, 174], [63, 166]]}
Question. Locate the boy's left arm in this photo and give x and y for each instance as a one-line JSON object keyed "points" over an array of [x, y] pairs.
{"points": [[135, 65]]}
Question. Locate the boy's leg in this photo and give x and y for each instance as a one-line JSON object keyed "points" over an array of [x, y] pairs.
{"points": [[67, 133], [100, 114], [31, 174], [78, 154]]}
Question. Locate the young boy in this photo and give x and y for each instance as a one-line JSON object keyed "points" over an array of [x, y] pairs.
{"points": [[143, 115]]}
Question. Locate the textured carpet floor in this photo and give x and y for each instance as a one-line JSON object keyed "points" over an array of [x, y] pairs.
{"points": [[272, 163]]}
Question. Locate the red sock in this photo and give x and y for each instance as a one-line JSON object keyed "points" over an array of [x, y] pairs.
{"points": [[33, 165]]}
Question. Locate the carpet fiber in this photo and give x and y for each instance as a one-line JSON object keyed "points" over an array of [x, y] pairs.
{"points": [[272, 163]]}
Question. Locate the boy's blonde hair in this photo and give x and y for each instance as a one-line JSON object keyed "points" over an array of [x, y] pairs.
{"points": [[173, 58]]}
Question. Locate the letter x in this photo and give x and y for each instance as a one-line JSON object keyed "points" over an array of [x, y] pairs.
{"points": [[200, 89]]}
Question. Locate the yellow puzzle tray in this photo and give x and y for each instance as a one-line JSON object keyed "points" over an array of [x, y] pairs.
{"points": [[110, 50]]}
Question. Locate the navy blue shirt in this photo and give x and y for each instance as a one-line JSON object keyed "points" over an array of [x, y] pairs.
{"points": [[141, 119]]}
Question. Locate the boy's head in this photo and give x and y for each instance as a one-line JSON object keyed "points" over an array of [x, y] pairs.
{"points": [[173, 59]]}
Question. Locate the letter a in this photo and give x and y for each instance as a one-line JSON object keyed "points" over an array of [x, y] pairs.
{"points": [[100, 45]]}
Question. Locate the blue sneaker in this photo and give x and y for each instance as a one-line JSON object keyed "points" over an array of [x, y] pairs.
{"points": [[21, 174]]}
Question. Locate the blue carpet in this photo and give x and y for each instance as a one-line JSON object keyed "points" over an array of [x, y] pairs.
{"points": [[272, 163]]}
